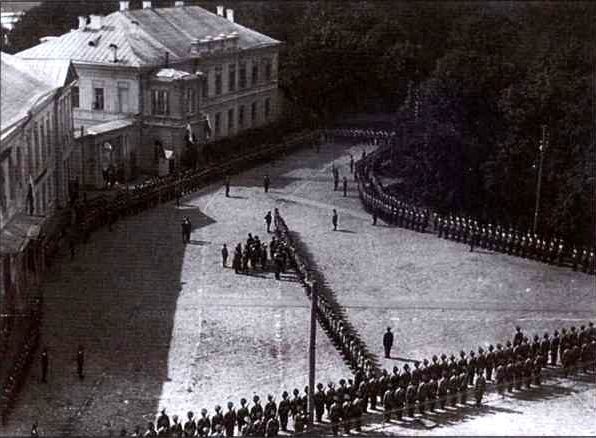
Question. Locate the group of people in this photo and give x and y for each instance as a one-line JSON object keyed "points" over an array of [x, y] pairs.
{"points": [[429, 386], [381, 204], [17, 374]]}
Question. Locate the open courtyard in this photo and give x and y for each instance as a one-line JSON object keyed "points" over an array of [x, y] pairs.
{"points": [[164, 325]]}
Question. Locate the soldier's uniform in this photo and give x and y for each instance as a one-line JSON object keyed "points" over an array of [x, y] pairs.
{"points": [[335, 416], [411, 399], [203, 424], [283, 411], [319, 401], [242, 415], [479, 388], [229, 420], [190, 427], [399, 401], [443, 390], [554, 348], [270, 408], [388, 404]]}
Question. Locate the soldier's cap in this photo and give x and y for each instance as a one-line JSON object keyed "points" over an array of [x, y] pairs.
{"points": [[572, 328], [242, 401], [435, 358], [285, 394], [462, 353], [296, 391], [535, 337], [490, 347], [546, 335], [190, 414], [406, 367], [204, 411], [319, 385], [163, 411], [472, 353], [217, 408], [452, 357], [591, 324], [330, 385], [255, 398], [443, 356], [342, 381], [480, 350], [230, 404], [582, 327]]}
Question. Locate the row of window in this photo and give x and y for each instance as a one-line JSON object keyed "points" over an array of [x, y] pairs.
{"points": [[240, 78], [10, 179], [241, 120], [98, 102]]}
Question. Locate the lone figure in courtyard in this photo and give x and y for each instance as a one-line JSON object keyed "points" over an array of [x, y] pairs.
{"points": [[227, 184], [334, 219], [268, 219], [388, 342], [224, 255], [266, 183]]}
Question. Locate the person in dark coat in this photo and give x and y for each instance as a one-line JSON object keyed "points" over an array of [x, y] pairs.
{"points": [[334, 220], [268, 219], [224, 255], [388, 342], [266, 183]]}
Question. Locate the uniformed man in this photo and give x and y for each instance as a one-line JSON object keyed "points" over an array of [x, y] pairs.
{"points": [[268, 219], [227, 186], [519, 336], [266, 183], [490, 362], [335, 416], [203, 424], [422, 395], [388, 342], [443, 389], [554, 348], [411, 393], [432, 388], [44, 365], [283, 411], [242, 415], [463, 387], [224, 255], [217, 420], [399, 399], [319, 401], [334, 220], [479, 388], [270, 408], [163, 421], [229, 420], [176, 429], [80, 362], [190, 427], [388, 405], [257, 409]]}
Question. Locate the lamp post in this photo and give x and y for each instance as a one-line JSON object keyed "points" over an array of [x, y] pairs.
{"points": [[541, 148]]}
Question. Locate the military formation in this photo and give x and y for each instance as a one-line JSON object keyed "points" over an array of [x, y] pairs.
{"points": [[459, 228], [425, 388]]}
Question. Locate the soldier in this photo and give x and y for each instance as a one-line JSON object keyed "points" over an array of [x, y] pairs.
{"points": [[388, 342], [334, 220], [519, 336], [416, 374], [490, 362], [266, 183], [443, 389], [329, 397], [433, 387], [80, 362], [227, 186], [388, 405], [472, 365], [479, 388], [242, 415], [257, 409], [463, 387], [335, 416], [528, 369], [284, 411], [190, 427], [217, 420], [270, 408], [319, 401], [554, 348], [411, 399], [268, 219], [500, 377], [203, 424], [422, 395], [44, 365], [357, 411], [176, 429], [229, 420], [345, 186], [163, 421], [224, 255]]}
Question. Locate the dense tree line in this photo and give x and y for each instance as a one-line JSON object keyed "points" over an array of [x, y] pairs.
{"points": [[470, 84]]}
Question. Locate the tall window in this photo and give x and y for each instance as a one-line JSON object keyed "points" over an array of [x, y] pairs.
{"points": [[241, 116], [74, 97], [98, 99], [242, 74], [253, 112], [191, 101], [217, 81], [267, 108], [232, 77], [217, 123], [255, 73], [267, 64], [160, 103], [230, 119], [123, 105]]}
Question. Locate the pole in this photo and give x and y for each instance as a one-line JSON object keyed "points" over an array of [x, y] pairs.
{"points": [[311, 354], [539, 182]]}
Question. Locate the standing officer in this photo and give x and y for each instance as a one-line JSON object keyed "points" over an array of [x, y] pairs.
{"points": [[44, 366], [319, 399], [266, 183], [283, 411], [224, 255], [345, 186], [388, 342], [80, 362], [268, 221], [229, 420], [227, 184], [334, 220]]}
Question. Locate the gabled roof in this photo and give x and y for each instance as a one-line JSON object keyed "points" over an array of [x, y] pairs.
{"points": [[55, 72], [20, 91], [143, 36]]}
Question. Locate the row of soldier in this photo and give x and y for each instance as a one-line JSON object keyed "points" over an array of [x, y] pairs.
{"points": [[428, 386], [17, 374], [459, 228]]}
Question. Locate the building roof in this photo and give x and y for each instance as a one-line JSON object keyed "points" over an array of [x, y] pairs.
{"points": [[113, 125], [20, 91], [143, 36], [55, 72]]}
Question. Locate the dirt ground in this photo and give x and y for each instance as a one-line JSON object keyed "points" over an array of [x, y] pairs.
{"points": [[164, 325]]}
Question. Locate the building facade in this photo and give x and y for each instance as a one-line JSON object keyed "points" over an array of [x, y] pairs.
{"points": [[156, 84], [37, 165]]}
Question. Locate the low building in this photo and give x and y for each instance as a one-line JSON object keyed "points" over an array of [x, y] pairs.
{"points": [[155, 84], [36, 167]]}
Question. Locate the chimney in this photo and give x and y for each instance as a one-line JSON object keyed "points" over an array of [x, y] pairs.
{"points": [[230, 14], [96, 22], [124, 5], [82, 22], [179, 3], [220, 11], [146, 4], [167, 60], [114, 49]]}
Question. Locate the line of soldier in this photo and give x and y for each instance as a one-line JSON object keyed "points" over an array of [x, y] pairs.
{"points": [[426, 387], [512, 241], [17, 374]]}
